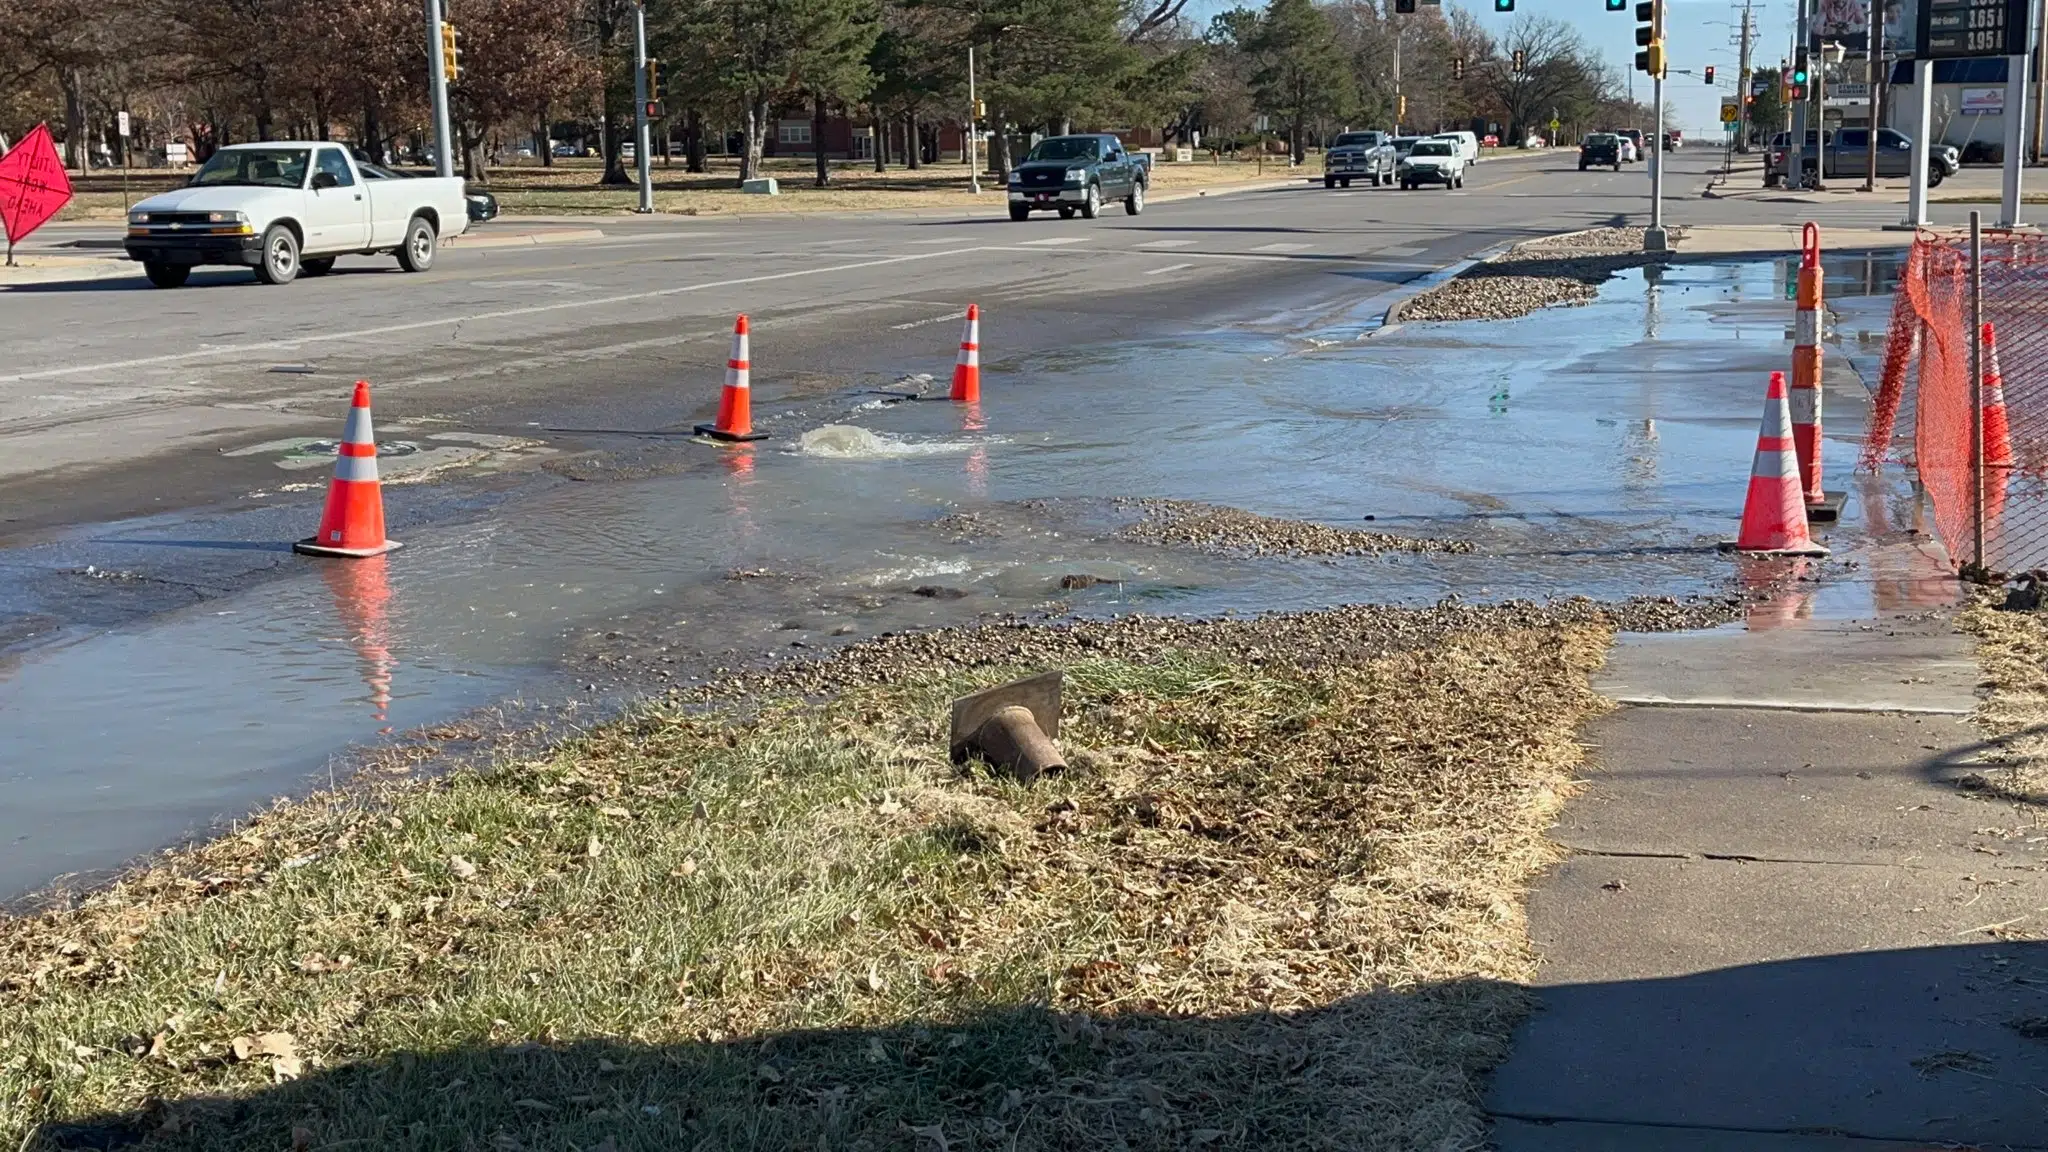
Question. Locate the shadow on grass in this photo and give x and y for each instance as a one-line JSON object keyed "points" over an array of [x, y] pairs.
{"points": [[1773, 1047]]}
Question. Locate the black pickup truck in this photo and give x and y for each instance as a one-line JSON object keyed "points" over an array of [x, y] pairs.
{"points": [[1078, 174]]}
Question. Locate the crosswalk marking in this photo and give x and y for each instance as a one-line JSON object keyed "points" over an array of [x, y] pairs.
{"points": [[1049, 241], [1167, 244], [1283, 246]]}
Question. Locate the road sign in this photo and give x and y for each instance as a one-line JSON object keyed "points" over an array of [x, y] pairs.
{"points": [[121, 120], [1553, 124], [1729, 113], [1960, 29]]}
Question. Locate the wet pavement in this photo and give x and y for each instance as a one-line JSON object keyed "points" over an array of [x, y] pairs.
{"points": [[1594, 451]]}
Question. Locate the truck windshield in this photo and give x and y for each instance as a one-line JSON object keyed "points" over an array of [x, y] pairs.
{"points": [[266, 167], [1067, 148]]}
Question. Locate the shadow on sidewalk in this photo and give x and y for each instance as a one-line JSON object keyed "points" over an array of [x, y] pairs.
{"points": [[1929, 1044]]}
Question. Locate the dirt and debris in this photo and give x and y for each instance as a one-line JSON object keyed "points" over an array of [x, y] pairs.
{"points": [[1566, 269], [1233, 531]]}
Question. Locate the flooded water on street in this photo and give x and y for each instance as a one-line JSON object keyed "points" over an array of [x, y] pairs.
{"points": [[1597, 450]]}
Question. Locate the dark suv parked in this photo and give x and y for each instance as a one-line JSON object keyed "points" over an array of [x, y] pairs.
{"points": [[1077, 174]]}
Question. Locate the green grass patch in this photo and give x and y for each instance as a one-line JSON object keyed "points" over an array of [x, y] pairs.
{"points": [[1268, 906]]}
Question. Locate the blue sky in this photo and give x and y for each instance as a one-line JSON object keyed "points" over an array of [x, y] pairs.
{"points": [[1694, 37]]}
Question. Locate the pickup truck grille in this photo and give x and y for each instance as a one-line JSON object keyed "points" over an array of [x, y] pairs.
{"points": [[1044, 177], [178, 218]]}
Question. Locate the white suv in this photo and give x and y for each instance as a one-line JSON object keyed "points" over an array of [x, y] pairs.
{"points": [[1432, 162]]}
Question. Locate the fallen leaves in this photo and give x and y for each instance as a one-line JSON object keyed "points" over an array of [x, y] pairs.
{"points": [[463, 869], [282, 1049]]}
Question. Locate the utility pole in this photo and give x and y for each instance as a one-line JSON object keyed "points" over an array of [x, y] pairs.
{"points": [[2040, 83], [1873, 57], [1399, 107], [1742, 84], [973, 169], [437, 85], [640, 98]]}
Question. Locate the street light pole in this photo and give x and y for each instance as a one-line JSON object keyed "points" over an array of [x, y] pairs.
{"points": [[1873, 57], [640, 99], [1795, 169]]}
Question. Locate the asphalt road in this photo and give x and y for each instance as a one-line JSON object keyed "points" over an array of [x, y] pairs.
{"points": [[118, 400]]}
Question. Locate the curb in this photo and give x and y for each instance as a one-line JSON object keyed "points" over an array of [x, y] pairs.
{"points": [[524, 239]]}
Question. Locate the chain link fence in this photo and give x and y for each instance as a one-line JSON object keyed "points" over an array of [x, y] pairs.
{"points": [[1963, 332]]}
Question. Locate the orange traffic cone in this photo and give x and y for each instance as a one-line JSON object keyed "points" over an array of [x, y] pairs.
{"points": [[353, 523], [735, 404], [967, 369], [1997, 431], [1774, 515]]}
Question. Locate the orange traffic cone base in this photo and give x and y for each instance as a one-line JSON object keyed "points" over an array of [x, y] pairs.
{"points": [[1809, 549], [311, 546], [713, 432]]}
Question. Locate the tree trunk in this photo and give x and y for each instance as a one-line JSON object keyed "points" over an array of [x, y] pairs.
{"points": [[998, 145], [824, 178], [693, 140], [80, 151], [1296, 149], [472, 162], [913, 142], [756, 129], [880, 124]]}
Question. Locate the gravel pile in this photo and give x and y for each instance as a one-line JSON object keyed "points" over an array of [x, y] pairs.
{"points": [[1566, 269], [1218, 529], [1347, 635]]}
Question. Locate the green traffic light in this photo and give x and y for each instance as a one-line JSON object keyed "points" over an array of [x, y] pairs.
{"points": [[1503, 5], [1617, 5], [1799, 75]]}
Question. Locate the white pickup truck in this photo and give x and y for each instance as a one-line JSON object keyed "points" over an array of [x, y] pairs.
{"points": [[284, 207]]}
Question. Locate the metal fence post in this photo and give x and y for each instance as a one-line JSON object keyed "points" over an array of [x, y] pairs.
{"points": [[1977, 387]]}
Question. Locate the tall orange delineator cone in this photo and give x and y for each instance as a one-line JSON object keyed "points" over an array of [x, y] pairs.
{"points": [[1997, 429], [1774, 515], [735, 404], [1805, 394], [353, 523], [967, 369]]}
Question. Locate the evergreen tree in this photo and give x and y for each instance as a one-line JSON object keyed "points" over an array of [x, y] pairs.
{"points": [[1299, 71]]}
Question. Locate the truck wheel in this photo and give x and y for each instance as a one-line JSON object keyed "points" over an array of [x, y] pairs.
{"points": [[1582, 165], [317, 266], [1092, 206], [1461, 181], [1935, 175], [1020, 212], [1135, 202], [280, 256], [167, 275], [1344, 183], [1329, 181], [417, 253], [1066, 212]]}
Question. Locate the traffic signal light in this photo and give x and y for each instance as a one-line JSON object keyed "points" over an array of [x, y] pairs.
{"points": [[1617, 5], [1799, 76], [1710, 74], [1503, 5], [1404, 5], [1400, 109], [451, 53], [1650, 37], [1458, 68]]}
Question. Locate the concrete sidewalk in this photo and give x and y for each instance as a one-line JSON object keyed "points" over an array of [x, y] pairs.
{"points": [[1786, 923]]}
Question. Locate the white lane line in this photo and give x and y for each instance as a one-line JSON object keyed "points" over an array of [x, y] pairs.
{"points": [[1169, 244], [470, 318], [1399, 251], [1168, 268], [931, 320], [1051, 241], [849, 240], [1283, 246], [942, 240]]}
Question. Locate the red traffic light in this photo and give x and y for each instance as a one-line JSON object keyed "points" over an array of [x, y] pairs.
{"points": [[1710, 73]]}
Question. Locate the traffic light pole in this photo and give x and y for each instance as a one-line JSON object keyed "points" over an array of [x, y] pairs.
{"points": [[1795, 169], [1654, 239], [1923, 144], [640, 98], [437, 85]]}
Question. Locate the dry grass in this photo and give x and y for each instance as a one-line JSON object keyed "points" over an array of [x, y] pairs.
{"points": [[1271, 905], [2012, 649], [571, 188]]}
